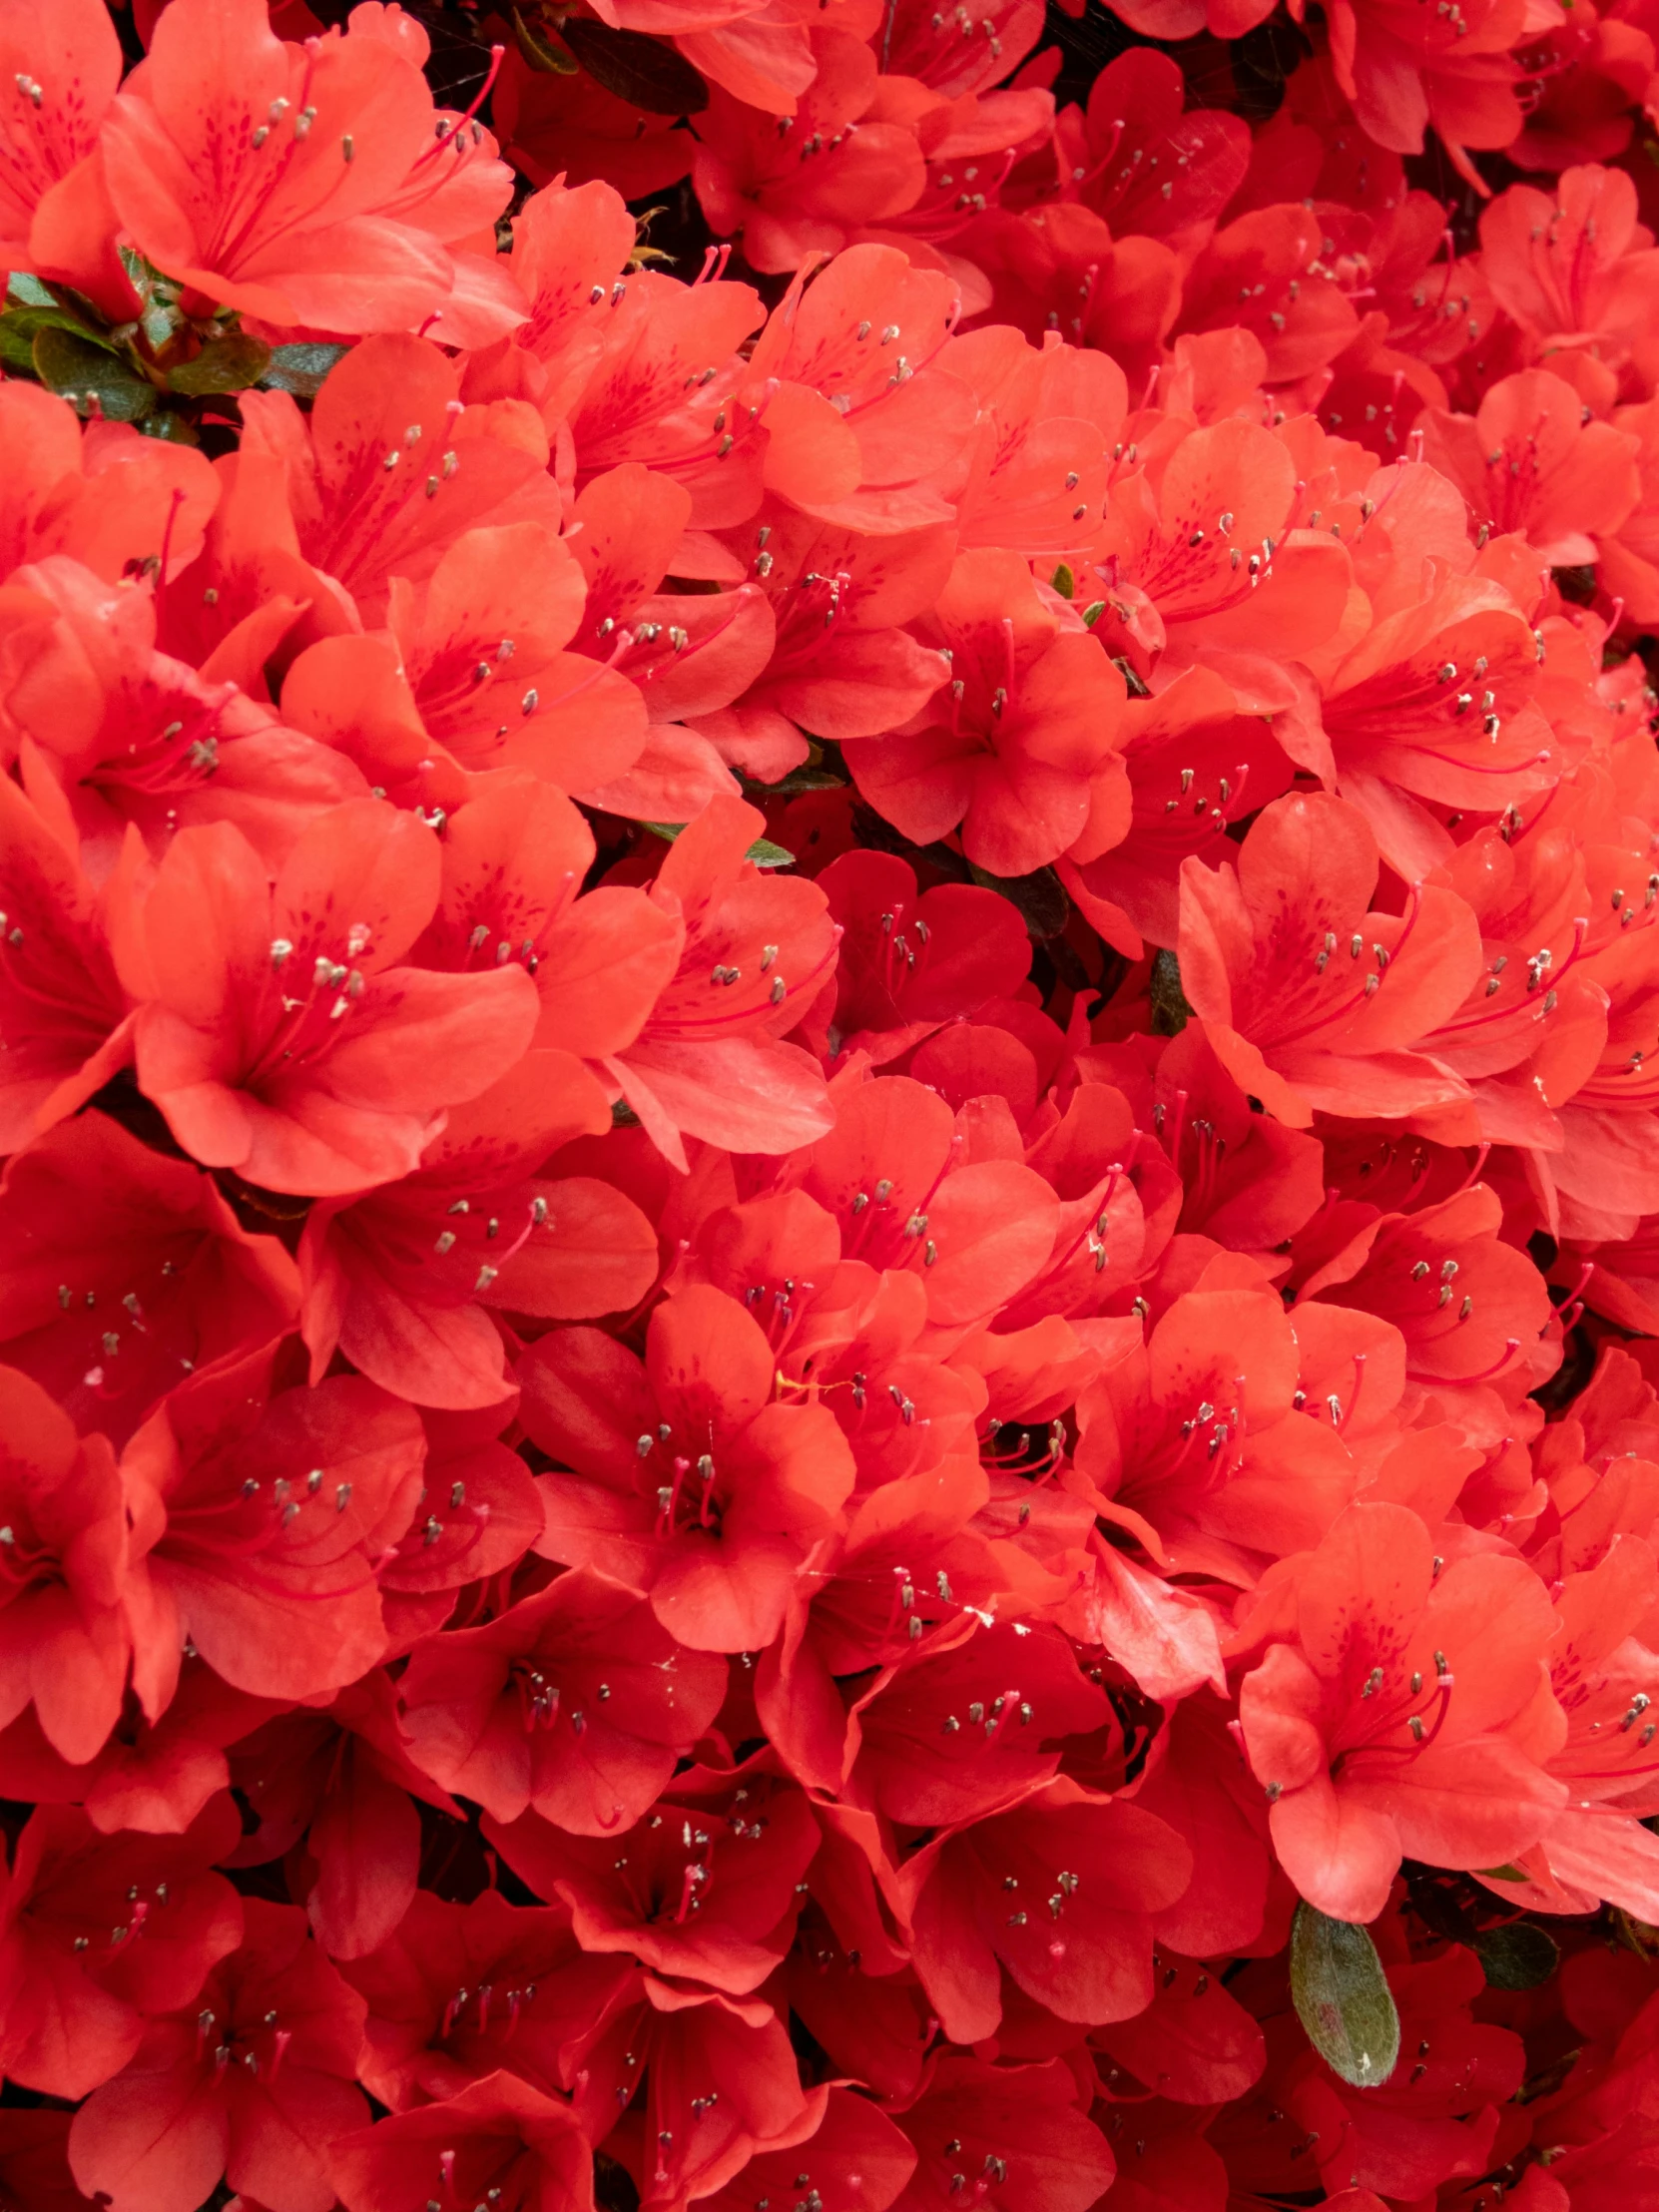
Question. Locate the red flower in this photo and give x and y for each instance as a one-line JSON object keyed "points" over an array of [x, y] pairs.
{"points": [[896, 1173], [710, 1061], [488, 1513], [1575, 260], [127, 1271], [1057, 1892], [1527, 461], [293, 183], [703, 1889], [61, 72], [687, 656], [251, 2079], [131, 736], [110, 500], [945, 1736], [720, 2080], [907, 964], [1308, 999], [1248, 1182], [1193, 2041], [154, 1779], [452, 466], [62, 1008], [1209, 540], [515, 858], [1405, 72], [341, 1780], [688, 1481], [1195, 765], [873, 331], [461, 1990], [258, 1521], [1133, 133], [1015, 2131], [1380, 1732], [63, 1637], [572, 127], [1020, 745], [280, 1032], [406, 1279], [574, 1704], [840, 665], [1598, 1846], [482, 646], [1436, 2116], [792, 195], [100, 1932], [495, 2135], [1199, 1445], [34, 2161], [844, 2146], [1470, 1305], [1433, 710], [1265, 273]]}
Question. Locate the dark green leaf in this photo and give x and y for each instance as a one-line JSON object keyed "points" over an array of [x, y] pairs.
{"points": [[1342, 1998], [1065, 583], [159, 314], [1504, 1873], [228, 363], [1170, 1011], [646, 72], [1040, 897], [82, 372], [762, 851], [172, 429], [801, 780], [540, 51], [161, 322], [300, 370], [1519, 1956], [20, 325], [1093, 612]]}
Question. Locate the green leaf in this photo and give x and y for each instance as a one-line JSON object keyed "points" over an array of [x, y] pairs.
{"points": [[1040, 897], [1504, 1873], [1065, 583], [1519, 1956], [762, 851], [1170, 1010], [172, 429], [81, 371], [1093, 612], [801, 780], [300, 370], [228, 363], [539, 50], [1342, 1998], [646, 72], [160, 317], [1131, 676], [19, 327], [29, 290]]}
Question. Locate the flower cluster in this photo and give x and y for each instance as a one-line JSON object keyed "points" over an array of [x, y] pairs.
{"points": [[830, 1307]]}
